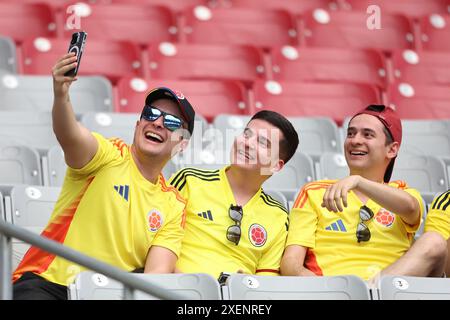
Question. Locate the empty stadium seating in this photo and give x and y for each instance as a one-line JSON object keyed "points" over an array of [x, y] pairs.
{"points": [[350, 29], [332, 166], [31, 207], [263, 28], [328, 64], [250, 287], [175, 5], [19, 163], [112, 59], [22, 21], [306, 99], [425, 67], [89, 285], [435, 32], [420, 101], [7, 55], [209, 98], [199, 61], [35, 93], [136, 23], [414, 288]]}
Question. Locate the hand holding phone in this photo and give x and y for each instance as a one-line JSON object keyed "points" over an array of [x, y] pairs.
{"points": [[76, 46]]}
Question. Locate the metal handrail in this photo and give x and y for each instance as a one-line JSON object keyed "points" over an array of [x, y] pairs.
{"points": [[8, 231]]}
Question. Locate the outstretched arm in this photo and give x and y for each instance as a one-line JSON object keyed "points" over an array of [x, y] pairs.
{"points": [[77, 142]]}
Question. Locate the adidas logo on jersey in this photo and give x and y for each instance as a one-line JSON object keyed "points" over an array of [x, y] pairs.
{"points": [[206, 214], [123, 191], [337, 226]]}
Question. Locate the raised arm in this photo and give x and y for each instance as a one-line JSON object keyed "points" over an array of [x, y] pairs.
{"points": [[77, 142]]}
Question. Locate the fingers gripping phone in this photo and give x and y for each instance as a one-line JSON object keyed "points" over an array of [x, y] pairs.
{"points": [[76, 45]]}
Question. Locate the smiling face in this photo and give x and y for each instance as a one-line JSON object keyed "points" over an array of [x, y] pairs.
{"points": [[257, 148], [365, 147], [151, 138]]}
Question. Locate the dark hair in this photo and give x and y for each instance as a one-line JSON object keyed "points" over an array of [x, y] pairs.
{"points": [[380, 108], [289, 143]]}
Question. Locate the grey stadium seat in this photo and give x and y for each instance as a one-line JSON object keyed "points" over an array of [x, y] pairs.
{"points": [[19, 164], [31, 208], [414, 288], [332, 166], [35, 93], [7, 55], [28, 128], [89, 285], [424, 173], [250, 287], [2, 207]]}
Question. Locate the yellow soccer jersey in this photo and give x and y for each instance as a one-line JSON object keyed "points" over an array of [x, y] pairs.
{"points": [[331, 240], [108, 211], [205, 247], [438, 217]]}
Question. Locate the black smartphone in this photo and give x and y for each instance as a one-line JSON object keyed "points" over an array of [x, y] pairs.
{"points": [[76, 45]]}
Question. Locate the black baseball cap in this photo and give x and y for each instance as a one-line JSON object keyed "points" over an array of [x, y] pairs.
{"points": [[185, 107]]}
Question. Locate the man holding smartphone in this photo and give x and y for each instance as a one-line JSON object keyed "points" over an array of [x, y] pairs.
{"points": [[114, 204]]}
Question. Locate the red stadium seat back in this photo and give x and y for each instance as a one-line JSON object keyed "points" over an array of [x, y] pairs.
{"points": [[350, 29], [432, 67], [295, 7], [328, 64], [111, 59], [420, 101], [198, 61], [306, 99], [262, 28], [410, 8], [175, 5], [208, 97], [435, 32], [22, 21], [137, 23], [54, 4]]}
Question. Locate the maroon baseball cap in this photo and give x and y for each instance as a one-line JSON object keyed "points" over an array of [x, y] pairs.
{"points": [[391, 122]]}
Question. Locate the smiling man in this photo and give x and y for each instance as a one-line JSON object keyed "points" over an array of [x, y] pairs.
{"points": [[360, 224], [231, 223], [114, 204]]}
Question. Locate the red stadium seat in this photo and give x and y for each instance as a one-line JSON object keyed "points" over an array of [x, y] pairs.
{"points": [[54, 4], [23, 21], [420, 101], [306, 99], [137, 23], [349, 29], [197, 61], [330, 64], [431, 67], [262, 28], [293, 6], [410, 8], [436, 32], [112, 59], [175, 5], [209, 98]]}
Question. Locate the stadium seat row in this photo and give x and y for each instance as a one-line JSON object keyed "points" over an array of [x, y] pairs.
{"points": [[318, 23], [214, 97]]}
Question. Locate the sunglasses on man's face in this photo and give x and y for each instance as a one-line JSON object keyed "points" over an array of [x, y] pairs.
{"points": [[234, 231], [362, 231], [171, 122]]}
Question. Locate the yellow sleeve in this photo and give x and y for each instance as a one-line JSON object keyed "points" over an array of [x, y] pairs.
{"points": [[269, 264], [108, 150], [438, 218], [303, 222], [418, 197], [172, 232]]}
